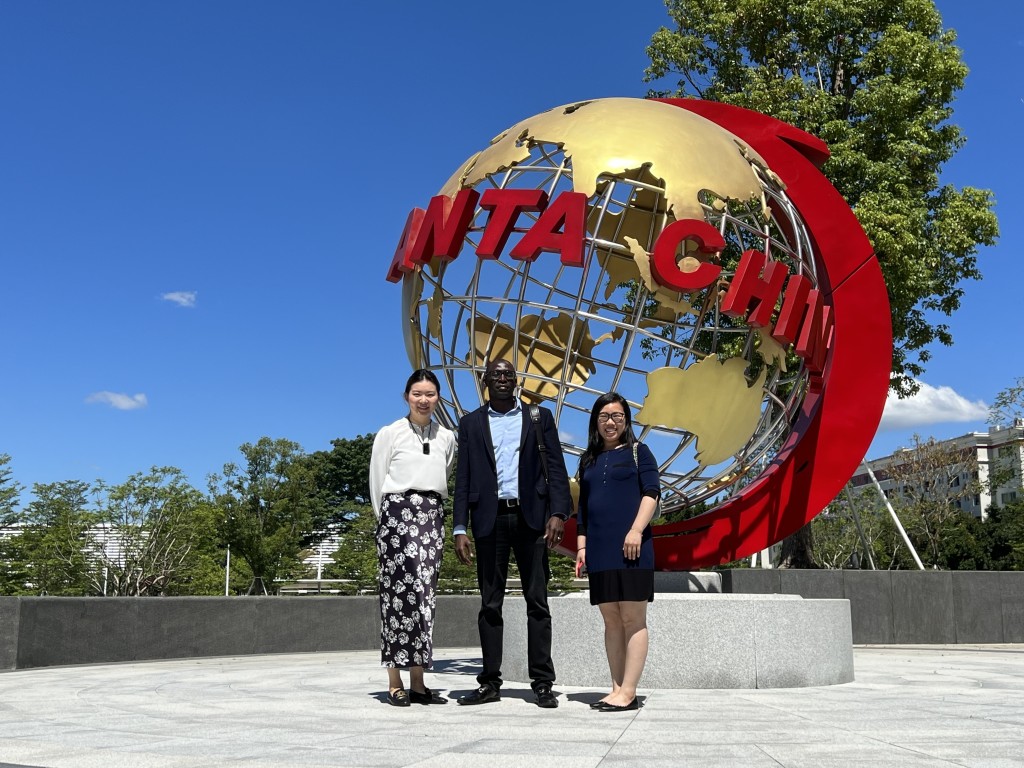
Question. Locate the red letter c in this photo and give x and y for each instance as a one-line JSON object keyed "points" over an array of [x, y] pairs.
{"points": [[664, 268]]}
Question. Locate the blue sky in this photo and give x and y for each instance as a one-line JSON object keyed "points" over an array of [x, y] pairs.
{"points": [[198, 203]]}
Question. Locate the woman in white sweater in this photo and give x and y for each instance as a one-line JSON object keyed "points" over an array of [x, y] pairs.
{"points": [[409, 471]]}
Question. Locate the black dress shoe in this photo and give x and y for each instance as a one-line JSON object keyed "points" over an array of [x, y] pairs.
{"points": [[399, 698], [427, 697], [545, 697], [606, 707], [482, 695]]}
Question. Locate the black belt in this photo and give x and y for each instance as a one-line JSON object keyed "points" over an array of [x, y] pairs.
{"points": [[508, 506], [428, 494]]}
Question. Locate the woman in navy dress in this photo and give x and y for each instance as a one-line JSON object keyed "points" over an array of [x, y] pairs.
{"points": [[619, 488]]}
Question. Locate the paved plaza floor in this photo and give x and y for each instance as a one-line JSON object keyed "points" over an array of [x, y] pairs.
{"points": [[909, 706]]}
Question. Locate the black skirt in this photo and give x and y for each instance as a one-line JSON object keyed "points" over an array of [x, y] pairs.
{"points": [[625, 585]]}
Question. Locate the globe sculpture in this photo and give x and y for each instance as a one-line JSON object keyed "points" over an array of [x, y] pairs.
{"points": [[712, 396], [714, 392]]}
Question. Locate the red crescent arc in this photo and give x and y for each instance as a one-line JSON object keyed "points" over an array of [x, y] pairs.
{"points": [[841, 412]]}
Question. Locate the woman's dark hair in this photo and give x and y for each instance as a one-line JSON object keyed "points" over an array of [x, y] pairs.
{"points": [[419, 375], [595, 443]]}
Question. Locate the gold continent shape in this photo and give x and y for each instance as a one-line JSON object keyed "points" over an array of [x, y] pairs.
{"points": [[617, 136], [539, 347], [710, 399]]}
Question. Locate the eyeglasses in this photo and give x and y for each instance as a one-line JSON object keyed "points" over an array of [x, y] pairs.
{"points": [[617, 418], [496, 375]]}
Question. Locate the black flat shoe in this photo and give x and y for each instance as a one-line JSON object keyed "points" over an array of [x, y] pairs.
{"points": [[546, 697], [597, 704], [399, 698], [606, 707], [427, 697], [482, 695]]}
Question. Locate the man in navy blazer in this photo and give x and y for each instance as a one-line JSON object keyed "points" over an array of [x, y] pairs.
{"points": [[501, 494]]}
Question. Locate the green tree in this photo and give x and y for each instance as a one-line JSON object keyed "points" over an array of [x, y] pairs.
{"points": [[53, 546], [355, 559], [9, 493], [342, 474], [964, 545], [1004, 531], [147, 533], [342, 479], [857, 522], [1004, 473], [1008, 406], [267, 507], [835, 537], [202, 572], [12, 562], [875, 79], [930, 480]]}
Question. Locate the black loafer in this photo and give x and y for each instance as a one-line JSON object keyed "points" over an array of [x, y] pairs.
{"points": [[606, 707], [427, 697], [399, 698], [482, 695], [545, 697]]}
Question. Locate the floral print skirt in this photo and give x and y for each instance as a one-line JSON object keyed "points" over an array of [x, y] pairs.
{"points": [[410, 536]]}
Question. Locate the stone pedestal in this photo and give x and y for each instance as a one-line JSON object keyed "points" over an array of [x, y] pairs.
{"points": [[699, 640]]}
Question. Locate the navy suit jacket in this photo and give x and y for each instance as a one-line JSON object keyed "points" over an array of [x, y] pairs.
{"points": [[476, 478]]}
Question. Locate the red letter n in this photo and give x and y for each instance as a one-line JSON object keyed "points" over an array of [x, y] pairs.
{"points": [[444, 227], [815, 333], [805, 321]]}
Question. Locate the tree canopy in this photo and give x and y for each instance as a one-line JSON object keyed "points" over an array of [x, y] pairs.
{"points": [[268, 506], [150, 527], [9, 491], [875, 79], [1008, 406]]}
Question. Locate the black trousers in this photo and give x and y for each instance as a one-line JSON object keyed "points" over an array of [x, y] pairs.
{"points": [[511, 536]]}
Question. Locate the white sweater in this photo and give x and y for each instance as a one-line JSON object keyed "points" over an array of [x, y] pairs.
{"points": [[398, 463]]}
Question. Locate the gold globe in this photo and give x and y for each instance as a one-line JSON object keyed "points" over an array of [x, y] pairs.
{"points": [[713, 397]]}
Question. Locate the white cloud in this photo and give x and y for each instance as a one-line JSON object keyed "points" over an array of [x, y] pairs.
{"points": [[181, 298], [931, 405], [119, 400]]}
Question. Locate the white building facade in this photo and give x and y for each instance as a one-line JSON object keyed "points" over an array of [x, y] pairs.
{"points": [[999, 450]]}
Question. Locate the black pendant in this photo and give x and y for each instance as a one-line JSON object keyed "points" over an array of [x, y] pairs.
{"points": [[426, 449]]}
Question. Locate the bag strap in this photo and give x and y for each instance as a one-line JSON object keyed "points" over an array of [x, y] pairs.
{"points": [[636, 460], [535, 418]]}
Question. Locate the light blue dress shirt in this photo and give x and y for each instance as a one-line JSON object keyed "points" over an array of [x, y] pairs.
{"points": [[506, 433]]}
